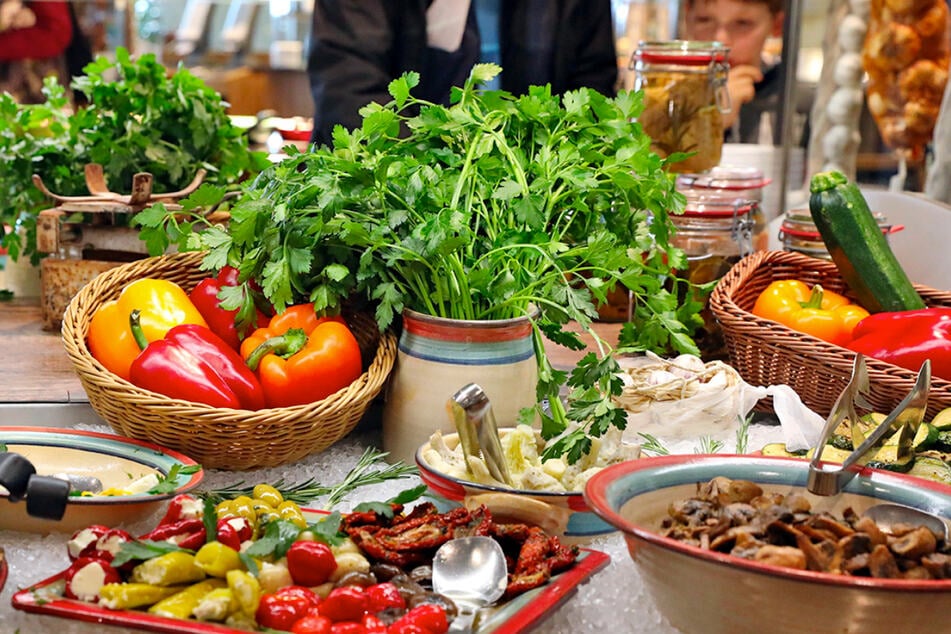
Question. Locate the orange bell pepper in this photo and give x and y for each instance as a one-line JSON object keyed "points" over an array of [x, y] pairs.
{"points": [[162, 304], [818, 312], [301, 358]]}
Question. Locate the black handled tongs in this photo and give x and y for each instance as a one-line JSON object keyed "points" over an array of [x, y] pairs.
{"points": [[829, 479]]}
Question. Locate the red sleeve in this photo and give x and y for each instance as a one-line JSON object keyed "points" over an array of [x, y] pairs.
{"points": [[49, 37]]}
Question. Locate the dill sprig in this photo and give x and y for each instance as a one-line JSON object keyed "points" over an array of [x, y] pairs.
{"points": [[364, 473]]}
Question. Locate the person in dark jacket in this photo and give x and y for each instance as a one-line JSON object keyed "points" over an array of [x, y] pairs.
{"points": [[359, 46]]}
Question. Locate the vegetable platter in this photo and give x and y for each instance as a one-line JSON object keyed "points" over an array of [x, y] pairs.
{"points": [[162, 407], [297, 555]]}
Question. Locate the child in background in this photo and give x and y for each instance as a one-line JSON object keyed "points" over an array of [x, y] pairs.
{"points": [[755, 81]]}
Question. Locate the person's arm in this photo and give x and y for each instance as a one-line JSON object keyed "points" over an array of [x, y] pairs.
{"points": [[49, 37], [590, 26], [350, 60]]}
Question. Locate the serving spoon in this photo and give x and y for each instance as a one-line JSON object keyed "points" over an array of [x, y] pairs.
{"points": [[471, 571]]}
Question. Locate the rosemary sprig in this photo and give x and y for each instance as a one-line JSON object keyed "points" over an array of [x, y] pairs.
{"points": [[364, 473], [743, 433], [709, 445], [653, 445]]}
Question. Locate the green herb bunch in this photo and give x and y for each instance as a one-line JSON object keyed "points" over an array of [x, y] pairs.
{"points": [[139, 118], [487, 209]]}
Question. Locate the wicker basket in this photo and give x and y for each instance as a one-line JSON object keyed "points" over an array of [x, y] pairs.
{"points": [[218, 438], [767, 353]]}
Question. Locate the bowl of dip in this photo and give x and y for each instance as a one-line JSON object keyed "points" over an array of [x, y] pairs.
{"points": [[547, 493]]}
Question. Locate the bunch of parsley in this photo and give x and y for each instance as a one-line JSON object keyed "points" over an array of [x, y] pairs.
{"points": [[486, 209], [140, 118]]}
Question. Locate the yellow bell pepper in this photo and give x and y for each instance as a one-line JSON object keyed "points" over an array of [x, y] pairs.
{"points": [[818, 312], [161, 305]]}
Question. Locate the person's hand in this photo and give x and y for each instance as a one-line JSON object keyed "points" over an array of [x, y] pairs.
{"points": [[740, 84]]}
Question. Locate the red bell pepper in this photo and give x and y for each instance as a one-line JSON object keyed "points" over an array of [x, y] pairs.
{"points": [[231, 325], [194, 364], [907, 338], [301, 358], [189, 534]]}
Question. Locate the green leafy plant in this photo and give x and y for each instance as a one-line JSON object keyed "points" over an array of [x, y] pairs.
{"points": [[487, 209], [140, 118]]}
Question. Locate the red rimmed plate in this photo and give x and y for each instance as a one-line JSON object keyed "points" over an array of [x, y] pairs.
{"points": [[512, 617]]}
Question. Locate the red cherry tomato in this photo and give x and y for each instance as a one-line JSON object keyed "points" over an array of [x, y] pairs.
{"points": [[312, 624], [429, 617], [310, 563], [348, 627], [281, 609], [384, 595], [372, 624], [347, 603]]}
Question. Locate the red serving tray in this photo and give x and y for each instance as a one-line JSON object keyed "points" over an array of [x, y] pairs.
{"points": [[512, 617]]}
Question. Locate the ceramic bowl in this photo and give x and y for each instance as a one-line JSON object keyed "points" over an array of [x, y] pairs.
{"points": [[114, 460], [566, 515], [701, 591]]}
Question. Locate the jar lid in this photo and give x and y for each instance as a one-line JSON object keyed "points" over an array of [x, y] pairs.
{"points": [[682, 52], [722, 208], [728, 177]]}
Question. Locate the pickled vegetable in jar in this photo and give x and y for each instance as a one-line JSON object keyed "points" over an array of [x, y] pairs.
{"points": [[685, 96], [715, 231]]}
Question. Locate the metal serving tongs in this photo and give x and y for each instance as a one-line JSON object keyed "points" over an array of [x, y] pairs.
{"points": [[827, 479], [472, 414]]}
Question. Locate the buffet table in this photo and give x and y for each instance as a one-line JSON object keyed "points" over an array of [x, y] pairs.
{"points": [[613, 600]]}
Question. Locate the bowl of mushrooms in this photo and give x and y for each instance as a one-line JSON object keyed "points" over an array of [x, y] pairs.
{"points": [[742, 541]]}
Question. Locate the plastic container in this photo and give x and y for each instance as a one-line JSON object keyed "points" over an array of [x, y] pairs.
{"points": [[684, 85]]}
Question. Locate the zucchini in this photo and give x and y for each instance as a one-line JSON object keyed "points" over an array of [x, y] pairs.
{"points": [[942, 420], [931, 469], [779, 449], [857, 245]]}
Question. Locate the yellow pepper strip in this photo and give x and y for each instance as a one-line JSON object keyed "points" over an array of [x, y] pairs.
{"points": [[125, 596], [176, 567], [246, 590], [161, 304], [181, 604], [216, 605], [823, 314], [216, 559]]}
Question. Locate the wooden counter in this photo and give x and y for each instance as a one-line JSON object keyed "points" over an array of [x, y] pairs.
{"points": [[36, 368]]}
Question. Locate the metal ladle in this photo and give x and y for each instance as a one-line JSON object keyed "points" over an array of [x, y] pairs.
{"points": [[471, 571]]}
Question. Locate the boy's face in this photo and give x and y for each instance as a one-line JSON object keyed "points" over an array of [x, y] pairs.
{"points": [[742, 26]]}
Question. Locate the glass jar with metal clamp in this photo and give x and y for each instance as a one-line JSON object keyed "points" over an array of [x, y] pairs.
{"points": [[715, 231], [685, 96]]}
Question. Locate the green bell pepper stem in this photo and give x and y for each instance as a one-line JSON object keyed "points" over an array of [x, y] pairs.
{"points": [[286, 346]]}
